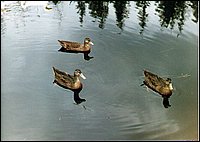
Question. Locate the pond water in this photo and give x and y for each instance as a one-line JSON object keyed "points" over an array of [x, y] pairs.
{"points": [[128, 37]]}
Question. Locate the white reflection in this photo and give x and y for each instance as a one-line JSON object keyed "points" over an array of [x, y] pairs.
{"points": [[5, 5], [153, 123], [26, 4]]}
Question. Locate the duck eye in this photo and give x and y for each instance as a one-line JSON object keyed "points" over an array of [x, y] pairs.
{"points": [[87, 39], [168, 79], [78, 71]]}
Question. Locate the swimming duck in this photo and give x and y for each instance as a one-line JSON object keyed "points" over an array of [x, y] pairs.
{"points": [[159, 85], [75, 47], [71, 82]]}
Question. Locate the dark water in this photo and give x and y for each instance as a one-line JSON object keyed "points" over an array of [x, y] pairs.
{"points": [[128, 37]]}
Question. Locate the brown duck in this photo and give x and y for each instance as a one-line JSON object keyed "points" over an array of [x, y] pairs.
{"points": [[159, 85], [75, 47], [71, 82]]}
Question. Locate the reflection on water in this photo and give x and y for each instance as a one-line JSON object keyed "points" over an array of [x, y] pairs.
{"points": [[171, 13], [81, 10], [142, 14], [56, 2], [121, 11], [99, 10], [2, 26], [135, 120], [194, 5], [117, 107]]}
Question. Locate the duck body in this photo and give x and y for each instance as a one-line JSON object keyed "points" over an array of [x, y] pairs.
{"points": [[71, 82], [159, 85], [75, 47]]}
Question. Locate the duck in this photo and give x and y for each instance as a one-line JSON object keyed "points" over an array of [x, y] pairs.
{"points": [[70, 82], [159, 85], [75, 47]]}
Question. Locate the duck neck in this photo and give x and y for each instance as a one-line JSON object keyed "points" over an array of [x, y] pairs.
{"points": [[76, 78], [86, 45]]}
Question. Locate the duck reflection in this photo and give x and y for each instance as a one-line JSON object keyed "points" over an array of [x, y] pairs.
{"points": [[75, 47], [71, 82], [159, 85]]}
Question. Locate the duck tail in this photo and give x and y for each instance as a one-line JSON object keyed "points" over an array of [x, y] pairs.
{"points": [[59, 41], [145, 72], [54, 69]]}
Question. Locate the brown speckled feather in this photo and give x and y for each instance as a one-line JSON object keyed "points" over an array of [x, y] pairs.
{"points": [[154, 80], [69, 44], [157, 83], [63, 78]]}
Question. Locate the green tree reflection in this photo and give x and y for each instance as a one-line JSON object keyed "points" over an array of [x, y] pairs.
{"points": [[81, 10], [121, 12], [56, 2], [99, 10], [194, 6], [142, 14], [171, 13]]}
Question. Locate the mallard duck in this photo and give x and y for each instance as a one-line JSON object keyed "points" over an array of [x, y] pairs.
{"points": [[71, 82], [159, 85], [75, 47]]}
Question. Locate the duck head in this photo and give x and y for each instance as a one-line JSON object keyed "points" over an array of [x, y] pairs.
{"points": [[78, 72], [88, 41], [169, 83]]}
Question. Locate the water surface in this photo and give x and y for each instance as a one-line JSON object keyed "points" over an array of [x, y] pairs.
{"points": [[128, 37]]}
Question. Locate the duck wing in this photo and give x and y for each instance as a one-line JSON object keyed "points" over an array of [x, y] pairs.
{"points": [[153, 80], [62, 78], [56, 71], [69, 44]]}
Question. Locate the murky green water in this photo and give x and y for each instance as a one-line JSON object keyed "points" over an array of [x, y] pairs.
{"points": [[128, 37]]}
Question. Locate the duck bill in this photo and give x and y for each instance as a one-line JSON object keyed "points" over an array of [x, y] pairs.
{"points": [[91, 43], [81, 75], [170, 86]]}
